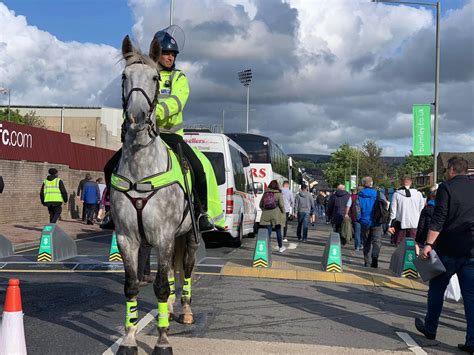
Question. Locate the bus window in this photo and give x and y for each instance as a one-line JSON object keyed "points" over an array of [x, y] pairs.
{"points": [[217, 162]]}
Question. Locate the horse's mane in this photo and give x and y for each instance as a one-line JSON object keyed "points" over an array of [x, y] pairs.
{"points": [[136, 56]]}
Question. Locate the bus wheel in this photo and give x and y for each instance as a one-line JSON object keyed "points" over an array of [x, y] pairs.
{"points": [[237, 242]]}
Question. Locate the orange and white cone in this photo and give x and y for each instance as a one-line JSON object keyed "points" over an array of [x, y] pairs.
{"points": [[12, 339]]}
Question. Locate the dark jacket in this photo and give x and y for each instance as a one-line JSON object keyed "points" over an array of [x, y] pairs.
{"points": [[80, 187], [90, 193], [424, 222], [2, 185], [453, 217], [337, 206], [61, 188]]}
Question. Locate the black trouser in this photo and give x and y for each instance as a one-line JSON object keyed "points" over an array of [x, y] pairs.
{"points": [[54, 212], [90, 211], [172, 140], [83, 212], [285, 230]]}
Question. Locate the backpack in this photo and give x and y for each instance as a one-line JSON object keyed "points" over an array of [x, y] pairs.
{"points": [[355, 209], [380, 212], [269, 201]]}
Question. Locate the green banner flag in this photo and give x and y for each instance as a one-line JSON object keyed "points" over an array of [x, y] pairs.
{"points": [[422, 130]]}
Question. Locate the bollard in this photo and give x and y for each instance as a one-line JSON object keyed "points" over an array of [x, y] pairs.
{"points": [[55, 244], [401, 262], [114, 254], [262, 256], [332, 258], [6, 247]]}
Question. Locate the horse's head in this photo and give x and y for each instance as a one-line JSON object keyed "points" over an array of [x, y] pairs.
{"points": [[140, 86]]}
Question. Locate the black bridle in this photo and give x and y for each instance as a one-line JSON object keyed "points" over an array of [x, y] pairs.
{"points": [[151, 122]]}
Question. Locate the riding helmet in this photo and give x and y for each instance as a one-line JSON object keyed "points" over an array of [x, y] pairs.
{"points": [[167, 42]]}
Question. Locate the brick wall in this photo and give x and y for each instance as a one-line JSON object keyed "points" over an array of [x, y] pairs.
{"points": [[20, 201]]}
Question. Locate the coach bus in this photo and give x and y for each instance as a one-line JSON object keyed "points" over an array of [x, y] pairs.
{"points": [[267, 162]]}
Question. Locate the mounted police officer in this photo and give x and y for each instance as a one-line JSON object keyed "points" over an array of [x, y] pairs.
{"points": [[174, 92]]}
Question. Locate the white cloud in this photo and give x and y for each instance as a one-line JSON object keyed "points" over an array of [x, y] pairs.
{"points": [[325, 72], [42, 70]]}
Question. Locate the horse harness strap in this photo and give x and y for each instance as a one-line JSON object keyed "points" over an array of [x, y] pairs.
{"points": [[151, 184]]}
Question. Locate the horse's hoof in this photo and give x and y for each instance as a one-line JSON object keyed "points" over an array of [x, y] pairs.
{"points": [[127, 350], [186, 318], [162, 351]]}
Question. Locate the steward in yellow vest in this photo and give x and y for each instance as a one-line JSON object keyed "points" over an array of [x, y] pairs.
{"points": [[53, 194]]}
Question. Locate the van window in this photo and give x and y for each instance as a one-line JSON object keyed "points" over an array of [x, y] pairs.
{"points": [[217, 161], [238, 167]]}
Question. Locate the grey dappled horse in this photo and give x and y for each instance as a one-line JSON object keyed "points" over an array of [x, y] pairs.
{"points": [[165, 223]]}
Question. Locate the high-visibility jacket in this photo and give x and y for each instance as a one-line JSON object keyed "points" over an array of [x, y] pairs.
{"points": [[52, 193], [174, 92]]}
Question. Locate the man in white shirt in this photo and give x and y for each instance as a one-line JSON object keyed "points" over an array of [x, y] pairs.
{"points": [[289, 200], [405, 210]]}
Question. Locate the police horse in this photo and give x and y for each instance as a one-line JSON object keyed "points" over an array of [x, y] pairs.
{"points": [[148, 200]]}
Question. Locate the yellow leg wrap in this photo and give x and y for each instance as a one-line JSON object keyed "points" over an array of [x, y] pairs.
{"points": [[172, 297], [131, 314], [187, 288], [163, 316]]}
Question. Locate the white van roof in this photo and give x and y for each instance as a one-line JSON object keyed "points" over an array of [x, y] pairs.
{"points": [[201, 138]]}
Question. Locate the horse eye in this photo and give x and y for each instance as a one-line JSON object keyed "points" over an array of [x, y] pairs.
{"points": [[156, 78]]}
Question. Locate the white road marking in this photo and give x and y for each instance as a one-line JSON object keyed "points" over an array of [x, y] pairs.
{"points": [[292, 246], [412, 345], [141, 324]]}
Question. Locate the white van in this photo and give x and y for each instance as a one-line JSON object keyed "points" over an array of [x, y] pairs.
{"points": [[234, 178]]}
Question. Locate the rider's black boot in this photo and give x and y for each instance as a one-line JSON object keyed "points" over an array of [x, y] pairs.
{"points": [[204, 224]]}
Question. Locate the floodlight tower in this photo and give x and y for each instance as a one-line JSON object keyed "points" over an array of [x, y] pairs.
{"points": [[245, 77]]}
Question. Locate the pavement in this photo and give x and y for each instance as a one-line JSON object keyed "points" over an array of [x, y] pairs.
{"points": [[83, 313], [27, 235]]}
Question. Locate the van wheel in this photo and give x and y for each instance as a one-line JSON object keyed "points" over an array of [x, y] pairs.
{"points": [[237, 242]]}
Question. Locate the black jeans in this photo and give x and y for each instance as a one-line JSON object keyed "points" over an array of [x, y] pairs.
{"points": [[285, 230], [90, 211], [54, 212], [200, 192]]}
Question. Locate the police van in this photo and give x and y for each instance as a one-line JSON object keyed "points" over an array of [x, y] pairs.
{"points": [[234, 178]]}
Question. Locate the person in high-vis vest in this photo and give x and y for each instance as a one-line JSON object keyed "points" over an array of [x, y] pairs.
{"points": [[53, 194], [174, 92]]}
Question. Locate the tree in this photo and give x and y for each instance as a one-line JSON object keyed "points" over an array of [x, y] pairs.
{"points": [[29, 119], [341, 166], [372, 164], [416, 165]]}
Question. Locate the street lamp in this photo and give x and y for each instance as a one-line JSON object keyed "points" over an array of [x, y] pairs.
{"points": [[245, 77], [4, 91], [437, 5]]}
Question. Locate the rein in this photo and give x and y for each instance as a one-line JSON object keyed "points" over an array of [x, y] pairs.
{"points": [[152, 132]]}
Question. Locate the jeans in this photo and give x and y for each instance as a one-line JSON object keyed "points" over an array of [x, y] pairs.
{"points": [[464, 268], [90, 210], [356, 232], [371, 238], [285, 230], [303, 220], [278, 233], [320, 209]]}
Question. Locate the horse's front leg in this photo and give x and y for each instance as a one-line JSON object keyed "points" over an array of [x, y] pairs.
{"points": [[161, 286], [188, 266], [129, 250]]}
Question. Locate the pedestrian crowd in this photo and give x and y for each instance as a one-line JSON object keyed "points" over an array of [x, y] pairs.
{"points": [[93, 194]]}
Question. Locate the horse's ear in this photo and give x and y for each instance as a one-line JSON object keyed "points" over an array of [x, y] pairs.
{"points": [[127, 46], [155, 50]]}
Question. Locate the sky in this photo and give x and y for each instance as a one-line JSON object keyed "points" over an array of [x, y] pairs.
{"points": [[325, 72]]}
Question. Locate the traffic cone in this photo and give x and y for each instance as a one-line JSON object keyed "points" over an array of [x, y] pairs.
{"points": [[13, 333]]}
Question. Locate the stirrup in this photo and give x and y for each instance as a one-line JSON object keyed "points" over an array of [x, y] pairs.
{"points": [[204, 223]]}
